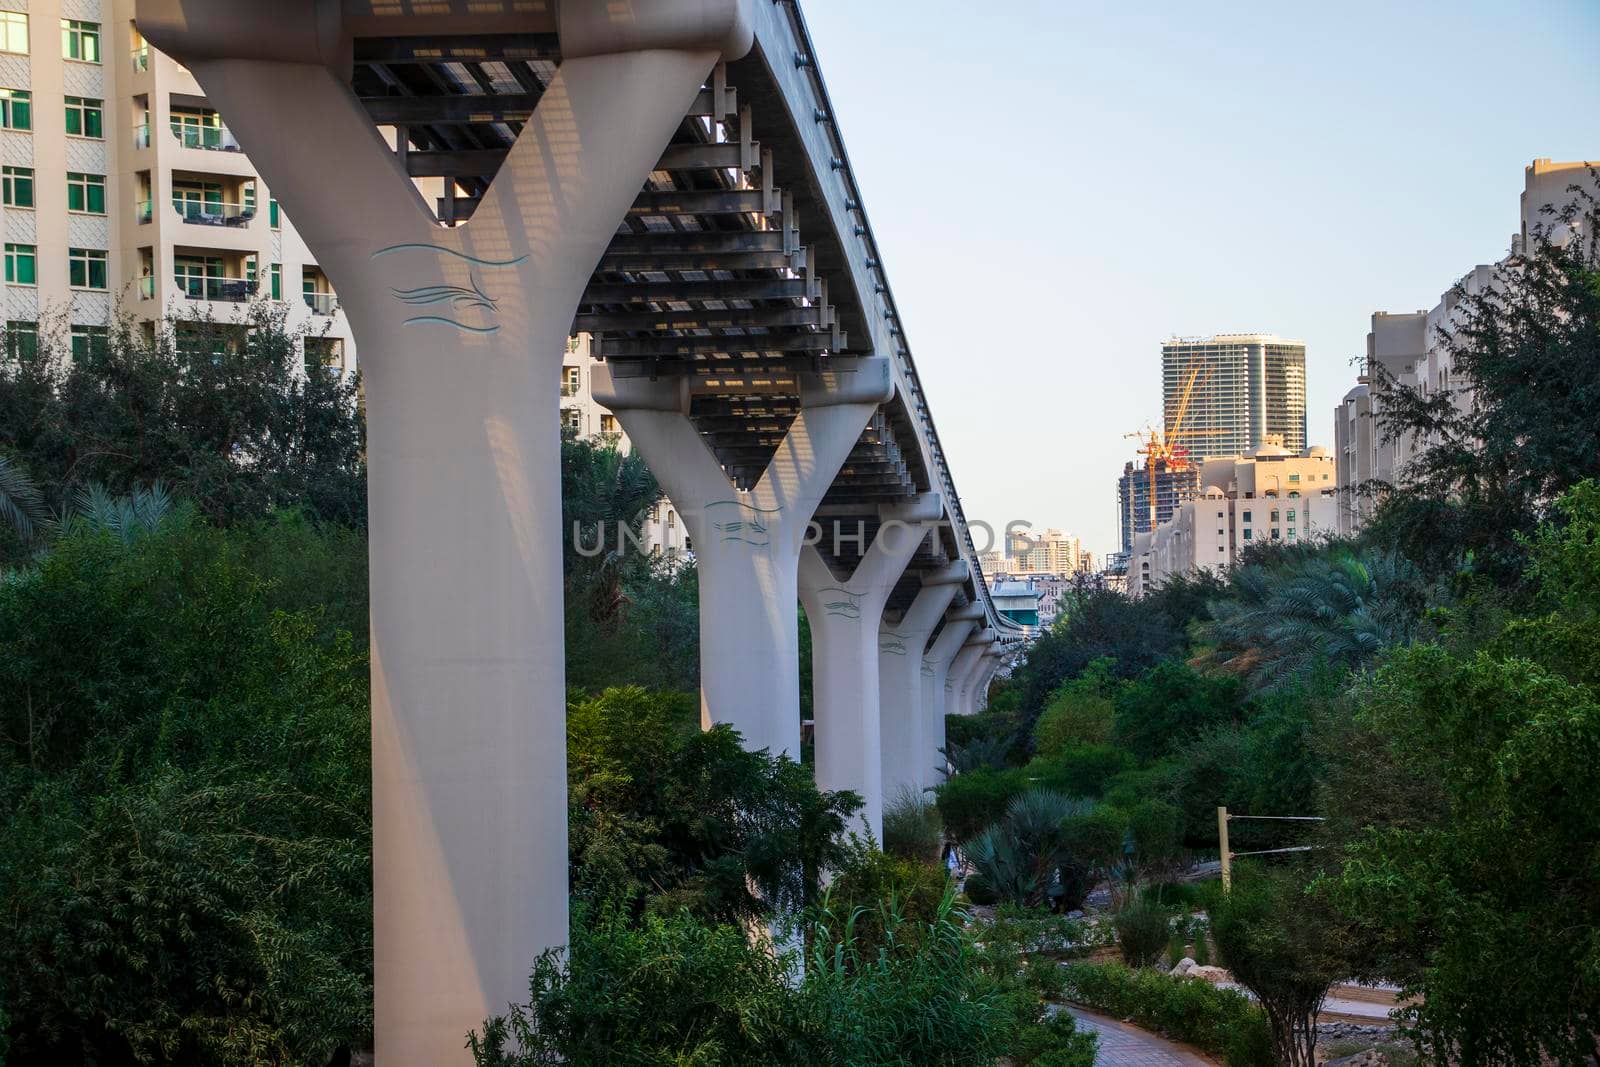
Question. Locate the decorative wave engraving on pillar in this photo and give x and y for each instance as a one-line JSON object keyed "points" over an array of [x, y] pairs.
{"points": [[458, 299], [837, 600], [927, 671], [745, 525], [892, 644]]}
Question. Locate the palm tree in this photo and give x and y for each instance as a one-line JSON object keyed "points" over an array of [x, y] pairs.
{"points": [[127, 517], [603, 491], [21, 505], [1335, 609]]}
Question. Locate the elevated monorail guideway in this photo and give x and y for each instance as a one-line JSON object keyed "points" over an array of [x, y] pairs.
{"points": [[479, 179]]}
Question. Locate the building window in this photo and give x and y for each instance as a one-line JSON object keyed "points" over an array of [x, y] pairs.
{"points": [[14, 32], [80, 40], [272, 214], [1294, 477], [324, 355], [85, 117], [571, 380], [672, 518], [16, 108], [16, 183], [1275, 534], [22, 264], [1248, 535], [88, 341], [86, 193], [1247, 516], [1274, 517], [276, 274], [22, 339], [86, 268], [571, 419], [1291, 517], [608, 424]]}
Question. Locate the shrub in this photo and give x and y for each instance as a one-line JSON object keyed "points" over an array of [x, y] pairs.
{"points": [[1219, 1021], [1153, 827], [978, 890], [1079, 713], [971, 802], [666, 816], [1057, 1042], [872, 884], [1020, 855], [1168, 704], [1141, 924], [1081, 770], [911, 828], [674, 990]]}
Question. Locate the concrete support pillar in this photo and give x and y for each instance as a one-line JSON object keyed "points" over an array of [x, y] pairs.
{"points": [[908, 757], [747, 544], [845, 614], [936, 664], [461, 333], [964, 672]]}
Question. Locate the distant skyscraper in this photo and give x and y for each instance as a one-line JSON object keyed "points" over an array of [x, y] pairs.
{"points": [[1244, 387], [1172, 487]]}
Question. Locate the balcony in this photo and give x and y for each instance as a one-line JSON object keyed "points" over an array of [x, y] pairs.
{"points": [[211, 138], [141, 58], [144, 211], [321, 303], [234, 290], [214, 213], [141, 136], [145, 287]]}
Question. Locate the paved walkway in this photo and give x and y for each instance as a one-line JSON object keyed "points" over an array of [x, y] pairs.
{"points": [[1123, 1045]]}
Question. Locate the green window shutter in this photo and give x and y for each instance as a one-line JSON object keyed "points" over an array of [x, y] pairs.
{"points": [[24, 187], [272, 212], [74, 119], [277, 281], [22, 113], [97, 197], [28, 267], [92, 123]]}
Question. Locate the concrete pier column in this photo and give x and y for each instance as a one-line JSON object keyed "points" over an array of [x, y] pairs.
{"points": [[901, 719], [845, 613], [747, 543], [936, 664], [964, 671], [461, 333]]}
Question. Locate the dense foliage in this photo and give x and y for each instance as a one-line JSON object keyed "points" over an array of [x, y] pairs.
{"points": [[184, 774]]}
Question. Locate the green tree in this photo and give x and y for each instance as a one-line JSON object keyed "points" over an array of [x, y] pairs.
{"points": [[1170, 703], [224, 412], [1288, 948]]}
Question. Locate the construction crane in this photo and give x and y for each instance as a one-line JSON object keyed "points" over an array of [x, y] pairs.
{"points": [[1167, 448]]}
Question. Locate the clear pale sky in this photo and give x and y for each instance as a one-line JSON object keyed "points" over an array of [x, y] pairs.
{"points": [[1057, 186]]}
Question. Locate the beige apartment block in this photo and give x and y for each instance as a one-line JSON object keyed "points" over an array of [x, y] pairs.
{"points": [[125, 194], [1232, 391], [1271, 495], [1407, 348]]}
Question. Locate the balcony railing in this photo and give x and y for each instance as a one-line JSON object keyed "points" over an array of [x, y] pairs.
{"points": [[144, 210], [568, 389], [237, 290], [211, 138], [141, 136], [146, 287], [321, 303], [141, 58], [214, 213]]}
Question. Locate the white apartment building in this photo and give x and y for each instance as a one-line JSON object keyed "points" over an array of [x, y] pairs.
{"points": [[1052, 552], [124, 193], [1272, 494], [1407, 348]]}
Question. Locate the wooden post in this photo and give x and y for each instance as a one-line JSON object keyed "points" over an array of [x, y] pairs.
{"points": [[1222, 845]]}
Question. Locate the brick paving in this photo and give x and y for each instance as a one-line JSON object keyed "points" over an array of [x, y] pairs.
{"points": [[1123, 1045]]}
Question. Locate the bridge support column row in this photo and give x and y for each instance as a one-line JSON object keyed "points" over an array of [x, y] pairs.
{"points": [[937, 664], [909, 751], [747, 543], [844, 615]]}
